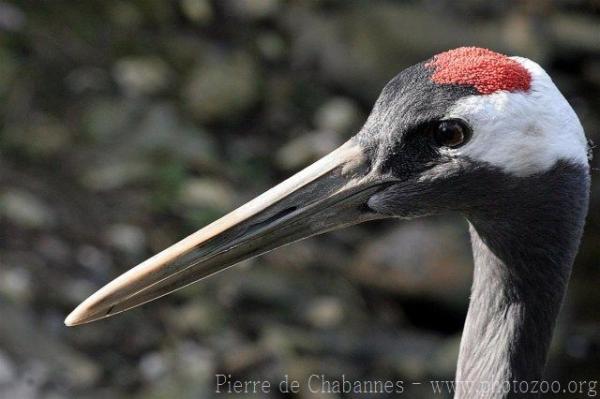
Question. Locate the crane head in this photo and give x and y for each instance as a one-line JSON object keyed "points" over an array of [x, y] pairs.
{"points": [[444, 135]]}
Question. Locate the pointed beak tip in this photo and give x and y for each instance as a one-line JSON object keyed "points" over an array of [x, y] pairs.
{"points": [[76, 317], [80, 315], [71, 320]]}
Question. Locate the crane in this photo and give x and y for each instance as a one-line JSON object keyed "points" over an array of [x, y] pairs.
{"points": [[470, 131]]}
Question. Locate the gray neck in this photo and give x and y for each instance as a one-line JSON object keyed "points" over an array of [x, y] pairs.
{"points": [[523, 251]]}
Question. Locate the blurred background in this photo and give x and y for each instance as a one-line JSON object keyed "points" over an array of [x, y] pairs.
{"points": [[127, 125]]}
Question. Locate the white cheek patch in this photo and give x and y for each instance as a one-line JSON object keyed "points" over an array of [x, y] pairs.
{"points": [[522, 132]]}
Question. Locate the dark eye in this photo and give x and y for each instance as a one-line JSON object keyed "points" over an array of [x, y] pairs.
{"points": [[451, 133]]}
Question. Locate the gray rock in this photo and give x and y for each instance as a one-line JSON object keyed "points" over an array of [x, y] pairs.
{"points": [[109, 175], [422, 257], [195, 362], [325, 312], [106, 119], [75, 290], [271, 45], [339, 115], [132, 133], [153, 366], [195, 316], [162, 129], [41, 136], [16, 284], [11, 17], [127, 238], [199, 11], [206, 192], [26, 210], [306, 148], [53, 248], [142, 75], [83, 79], [222, 86], [196, 147], [94, 259], [126, 15], [8, 371]]}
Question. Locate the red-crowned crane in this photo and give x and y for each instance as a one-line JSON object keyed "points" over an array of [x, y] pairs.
{"points": [[469, 130]]}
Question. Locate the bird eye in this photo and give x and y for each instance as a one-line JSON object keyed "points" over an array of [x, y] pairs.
{"points": [[451, 133]]}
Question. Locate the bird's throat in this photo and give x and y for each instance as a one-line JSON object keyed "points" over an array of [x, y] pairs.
{"points": [[523, 253]]}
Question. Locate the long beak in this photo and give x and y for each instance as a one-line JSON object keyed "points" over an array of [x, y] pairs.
{"points": [[330, 194]]}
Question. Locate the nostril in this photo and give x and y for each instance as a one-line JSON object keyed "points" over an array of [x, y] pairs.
{"points": [[277, 216]]}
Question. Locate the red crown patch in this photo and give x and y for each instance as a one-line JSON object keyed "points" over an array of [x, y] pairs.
{"points": [[481, 68]]}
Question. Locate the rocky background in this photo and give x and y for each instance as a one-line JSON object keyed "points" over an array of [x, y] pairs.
{"points": [[126, 125]]}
